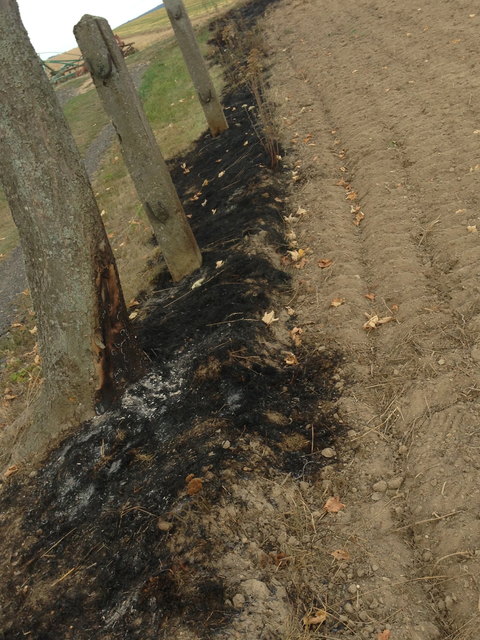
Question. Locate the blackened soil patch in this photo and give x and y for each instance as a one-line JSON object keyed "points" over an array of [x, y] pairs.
{"points": [[84, 555]]}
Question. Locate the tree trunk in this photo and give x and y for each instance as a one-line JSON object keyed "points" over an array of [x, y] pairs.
{"points": [[87, 348], [196, 66]]}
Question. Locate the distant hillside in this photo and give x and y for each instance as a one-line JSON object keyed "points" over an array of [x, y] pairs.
{"points": [[159, 6]]}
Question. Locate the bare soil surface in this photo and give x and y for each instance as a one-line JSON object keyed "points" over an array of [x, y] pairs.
{"points": [[312, 473], [378, 105]]}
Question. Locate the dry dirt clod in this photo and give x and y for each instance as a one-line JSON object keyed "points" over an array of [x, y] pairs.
{"points": [[380, 486], [163, 525], [328, 452], [238, 601], [395, 483]]}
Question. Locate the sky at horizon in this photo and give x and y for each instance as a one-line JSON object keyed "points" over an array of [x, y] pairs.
{"points": [[50, 23]]}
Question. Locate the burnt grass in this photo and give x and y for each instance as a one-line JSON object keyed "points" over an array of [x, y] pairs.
{"points": [[87, 559]]}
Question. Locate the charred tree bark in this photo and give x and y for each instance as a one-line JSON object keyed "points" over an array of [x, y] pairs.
{"points": [[87, 347]]}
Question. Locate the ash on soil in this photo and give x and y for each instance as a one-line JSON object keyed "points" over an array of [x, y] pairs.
{"points": [[85, 556]]}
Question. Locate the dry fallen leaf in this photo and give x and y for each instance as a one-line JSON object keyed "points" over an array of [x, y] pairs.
{"points": [[324, 263], [341, 555], [221, 174], [358, 218], [133, 315], [384, 635], [300, 264], [296, 255], [370, 296], [337, 302], [218, 264], [11, 470], [318, 616], [269, 317], [472, 228], [279, 559], [353, 195], [333, 505], [33, 331], [291, 359], [205, 183], [290, 311], [198, 283], [194, 486], [295, 334], [343, 183], [374, 321], [9, 396]]}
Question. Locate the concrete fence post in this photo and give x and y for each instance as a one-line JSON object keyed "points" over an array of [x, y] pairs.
{"points": [[140, 150], [196, 66]]}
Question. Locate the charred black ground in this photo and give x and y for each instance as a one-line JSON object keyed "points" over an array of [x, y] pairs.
{"points": [[92, 562]]}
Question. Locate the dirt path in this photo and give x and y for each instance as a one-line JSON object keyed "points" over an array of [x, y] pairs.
{"points": [[379, 110]]}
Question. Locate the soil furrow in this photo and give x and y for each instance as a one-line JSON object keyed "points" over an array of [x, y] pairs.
{"points": [[390, 89]]}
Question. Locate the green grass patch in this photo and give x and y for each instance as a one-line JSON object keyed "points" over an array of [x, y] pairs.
{"points": [[86, 118], [170, 100]]}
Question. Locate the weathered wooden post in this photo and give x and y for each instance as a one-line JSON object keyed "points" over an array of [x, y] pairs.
{"points": [[140, 150], [196, 66]]}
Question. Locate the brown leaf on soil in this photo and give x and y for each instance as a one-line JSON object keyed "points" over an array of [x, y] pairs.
{"points": [[291, 359], [194, 486], [269, 318], [341, 555], [337, 302], [324, 263], [353, 195], [279, 559], [384, 635], [370, 296], [11, 470], [296, 254], [358, 218], [301, 264], [189, 477], [374, 321], [295, 334], [9, 397], [343, 183], [333, 505], [318, 616]]}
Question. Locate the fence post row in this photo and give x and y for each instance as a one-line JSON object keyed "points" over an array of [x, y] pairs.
{"points": [[196, 66], [140, 150]]}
